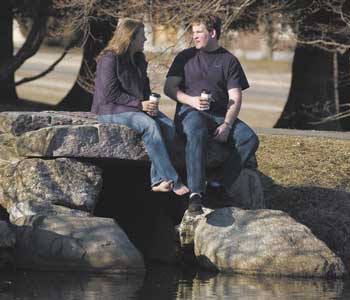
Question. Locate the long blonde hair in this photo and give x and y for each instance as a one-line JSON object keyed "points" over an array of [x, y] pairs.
{"points": [[122, 37]]}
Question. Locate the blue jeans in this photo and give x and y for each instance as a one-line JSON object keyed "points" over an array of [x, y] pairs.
{"points": [[197, 126], [157, 134]]}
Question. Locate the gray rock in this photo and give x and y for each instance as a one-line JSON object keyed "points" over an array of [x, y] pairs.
{"points": [[61, 181], [17, 122], [103, 141], [247, 190], [68, 134], [259, 242], [74, 243], [8, 150], [32, 208]]}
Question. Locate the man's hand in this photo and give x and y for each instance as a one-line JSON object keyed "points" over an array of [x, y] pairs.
{"points": [[199, 103], [221, 133], [150, 107]]}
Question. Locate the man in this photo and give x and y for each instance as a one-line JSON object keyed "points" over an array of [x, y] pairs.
{"points": [[211, 67]]}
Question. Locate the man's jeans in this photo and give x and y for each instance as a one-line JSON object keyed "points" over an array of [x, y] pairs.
{"points": [[158, 134], [197, 126]]}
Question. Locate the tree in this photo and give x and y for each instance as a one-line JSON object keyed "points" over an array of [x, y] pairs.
{"points": [[7, 87], [319, 96]]}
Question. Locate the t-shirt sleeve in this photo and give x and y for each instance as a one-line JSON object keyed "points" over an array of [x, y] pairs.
{"points": [[236, 77], [177, 68]]}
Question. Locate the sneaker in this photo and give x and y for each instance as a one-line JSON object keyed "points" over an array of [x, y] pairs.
{"points": [[195, 205]]}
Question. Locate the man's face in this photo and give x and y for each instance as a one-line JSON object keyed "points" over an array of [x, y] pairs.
{"points": [[201, 36]]}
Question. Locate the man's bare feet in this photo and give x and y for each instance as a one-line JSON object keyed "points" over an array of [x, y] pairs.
{"points": [[181, 191], [164, 186]]}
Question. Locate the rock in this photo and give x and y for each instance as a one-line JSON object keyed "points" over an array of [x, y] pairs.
{"points": [[57, 134], [68, 243], [61, 181], [17, 122], [259, 242], [98, 141], [32, 208], [245, 192], [8, 150]]}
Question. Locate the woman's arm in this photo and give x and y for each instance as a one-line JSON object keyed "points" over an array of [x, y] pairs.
{"points": [[109, 86]]}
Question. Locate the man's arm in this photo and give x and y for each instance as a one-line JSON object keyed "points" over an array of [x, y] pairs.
{"points": [[172, 90], [234, 106]]}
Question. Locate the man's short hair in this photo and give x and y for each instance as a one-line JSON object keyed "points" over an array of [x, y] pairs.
{"points": [[210, 22]]}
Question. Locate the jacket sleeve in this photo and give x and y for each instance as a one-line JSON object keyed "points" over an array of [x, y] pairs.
{"points": [[109, 85]]}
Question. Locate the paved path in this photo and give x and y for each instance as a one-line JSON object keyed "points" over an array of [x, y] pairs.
{"points": [[262, 105]]}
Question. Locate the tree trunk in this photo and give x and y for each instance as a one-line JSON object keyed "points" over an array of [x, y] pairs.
{"points": [[311, 96], [78, 99], [7, 86], [344, 88]]}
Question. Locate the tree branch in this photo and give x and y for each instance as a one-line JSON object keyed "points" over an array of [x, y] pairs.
{"points": [[42, 74], [30, 46]]}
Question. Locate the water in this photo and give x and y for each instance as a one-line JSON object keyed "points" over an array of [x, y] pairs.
{"points": [[163, 283]]}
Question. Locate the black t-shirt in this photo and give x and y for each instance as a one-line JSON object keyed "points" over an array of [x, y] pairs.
{"points": [[217, 71]]}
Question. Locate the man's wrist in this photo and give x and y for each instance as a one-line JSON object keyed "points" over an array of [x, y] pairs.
{"points": [[228, 124]]}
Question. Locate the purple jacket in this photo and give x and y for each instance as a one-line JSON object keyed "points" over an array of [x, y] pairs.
{"points": [[119, 87]]}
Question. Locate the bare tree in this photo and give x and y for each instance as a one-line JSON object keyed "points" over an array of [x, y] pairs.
{"points": [[321, 28]]}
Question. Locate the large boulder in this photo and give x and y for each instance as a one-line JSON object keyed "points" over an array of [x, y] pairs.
{"points": [[57, 134], [74, 243], [258, 242], [32, 208], [62, 181]]}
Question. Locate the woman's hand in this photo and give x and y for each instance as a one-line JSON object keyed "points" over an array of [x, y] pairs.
{"points": [[150, 107]]}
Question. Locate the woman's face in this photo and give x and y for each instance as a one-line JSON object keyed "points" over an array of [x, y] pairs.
{"points": [[138, 43]]}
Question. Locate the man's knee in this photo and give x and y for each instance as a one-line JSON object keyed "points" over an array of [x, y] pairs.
{"points": [[195, 126]]}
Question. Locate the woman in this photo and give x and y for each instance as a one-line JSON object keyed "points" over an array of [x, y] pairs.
{"points": [[121, 90]]}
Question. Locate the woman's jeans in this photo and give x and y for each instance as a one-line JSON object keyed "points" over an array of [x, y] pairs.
{"points": [[158, 134], [197, 126]]}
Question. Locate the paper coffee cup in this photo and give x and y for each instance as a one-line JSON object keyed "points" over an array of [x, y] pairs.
{"points": [[206, 95], [154, 97]]}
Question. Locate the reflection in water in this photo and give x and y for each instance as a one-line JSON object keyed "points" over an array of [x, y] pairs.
{"points": [[163, 283], [222, 287], [68, 286]]}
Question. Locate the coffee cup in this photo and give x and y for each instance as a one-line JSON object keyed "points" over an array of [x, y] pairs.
{"points": [[205, 94], [154, 97]]}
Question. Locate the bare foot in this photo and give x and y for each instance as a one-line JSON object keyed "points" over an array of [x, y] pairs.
{"points": [[164, 186], [181, 191]]}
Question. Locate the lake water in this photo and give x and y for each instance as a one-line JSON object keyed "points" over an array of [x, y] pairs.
{"points": [[163, 283]]}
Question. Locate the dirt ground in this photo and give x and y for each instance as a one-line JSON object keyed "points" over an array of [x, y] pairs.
{"points": [[262, 102]]}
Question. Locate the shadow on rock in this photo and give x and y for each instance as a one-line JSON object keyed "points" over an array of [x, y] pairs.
{"points": [[325, 211]]}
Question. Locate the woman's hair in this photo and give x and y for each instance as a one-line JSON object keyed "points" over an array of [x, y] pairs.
{"points": [[122, 37]]}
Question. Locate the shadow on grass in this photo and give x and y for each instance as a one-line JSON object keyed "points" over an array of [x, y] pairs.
{"points": [[325, 211]]}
